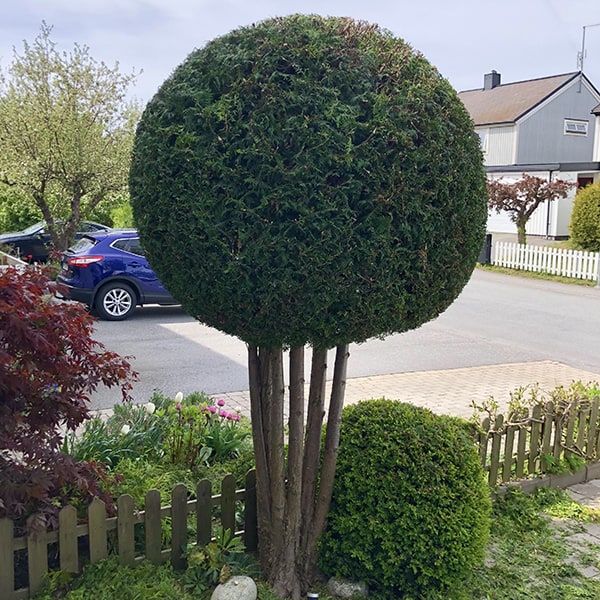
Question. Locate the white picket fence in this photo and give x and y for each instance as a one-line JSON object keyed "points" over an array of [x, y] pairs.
{"points": [[577, 264]]}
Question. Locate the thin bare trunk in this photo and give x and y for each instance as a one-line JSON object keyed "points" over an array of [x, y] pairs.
{"points": [[312, 441], [276, 451], [295, 441], [287, 583], [255, 375], [521, 232], [332, 441]]}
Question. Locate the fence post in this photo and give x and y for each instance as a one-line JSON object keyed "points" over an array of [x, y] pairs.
{"points": [[204, 506], [7, 559], [250, 516], [598, 270], [126, 530], [178, 526], [153, 528], [67, 539]]}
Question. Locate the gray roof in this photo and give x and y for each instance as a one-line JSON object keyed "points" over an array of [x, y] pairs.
{"points": [[506, 103]]}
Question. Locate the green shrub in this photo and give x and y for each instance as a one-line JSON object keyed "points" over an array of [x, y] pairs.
{"points": [[122, 216], [410, 510], [585, 218]]}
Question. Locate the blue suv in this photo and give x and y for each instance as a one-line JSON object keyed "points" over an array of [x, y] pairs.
{"points": [[108, 272]]}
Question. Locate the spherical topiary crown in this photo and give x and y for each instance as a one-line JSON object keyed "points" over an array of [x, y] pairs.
{"points": [[309, 180]]}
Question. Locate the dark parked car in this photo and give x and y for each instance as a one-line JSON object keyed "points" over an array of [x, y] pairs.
{"points": [[108, 272], [34, 244]]}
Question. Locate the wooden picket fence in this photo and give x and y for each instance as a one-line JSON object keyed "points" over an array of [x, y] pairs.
{"points": [[524, 444], [577, 264], [100, 531], [530, 442]]}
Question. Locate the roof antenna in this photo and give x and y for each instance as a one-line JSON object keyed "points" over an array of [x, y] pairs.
{"points": [[581, 53]]}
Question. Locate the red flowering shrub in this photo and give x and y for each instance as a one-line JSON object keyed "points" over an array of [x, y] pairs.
{"points": [[49, 366]]}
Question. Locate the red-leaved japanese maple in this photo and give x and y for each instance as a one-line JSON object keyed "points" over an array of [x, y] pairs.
{"points": [[49, 366]]}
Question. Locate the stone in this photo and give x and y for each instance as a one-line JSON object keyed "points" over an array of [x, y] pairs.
{"points": [[341, 588], [238, 587]]}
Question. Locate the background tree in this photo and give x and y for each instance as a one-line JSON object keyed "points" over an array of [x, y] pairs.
{"points": [[521, 198], [49, 366], [17, 209], [585, 218], [66, 132], [306, 181]]}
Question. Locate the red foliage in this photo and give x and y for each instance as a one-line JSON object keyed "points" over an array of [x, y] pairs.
{"points": [[49, 366], [522, 197]]}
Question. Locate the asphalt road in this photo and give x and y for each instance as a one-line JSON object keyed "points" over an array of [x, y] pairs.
{"points": [[497, 319]]}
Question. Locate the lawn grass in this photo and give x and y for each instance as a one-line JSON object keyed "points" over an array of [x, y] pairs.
{"points": [[537, 275]]}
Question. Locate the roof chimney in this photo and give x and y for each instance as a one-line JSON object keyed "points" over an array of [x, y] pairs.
{"points": [[491, 80]]}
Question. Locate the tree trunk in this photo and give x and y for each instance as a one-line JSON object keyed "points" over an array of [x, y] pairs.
{"points": [[521, 234], [293, 496]]}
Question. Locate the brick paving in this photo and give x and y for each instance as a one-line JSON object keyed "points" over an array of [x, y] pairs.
{"points": [[450, 391]]}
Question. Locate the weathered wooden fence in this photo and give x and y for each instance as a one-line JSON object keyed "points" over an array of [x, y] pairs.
{"points": [[527, 443], [577, 264], [96, 534], [532, 442]]}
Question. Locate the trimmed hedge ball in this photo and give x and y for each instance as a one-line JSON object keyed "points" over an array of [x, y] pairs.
{"points": [[309, 180], [411, 509]]}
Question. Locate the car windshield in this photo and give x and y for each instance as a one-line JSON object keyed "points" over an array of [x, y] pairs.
{"points": [[34, 228]]}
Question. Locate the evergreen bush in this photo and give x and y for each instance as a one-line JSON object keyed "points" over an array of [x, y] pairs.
{"points": [[410, 511], [585, 218]]}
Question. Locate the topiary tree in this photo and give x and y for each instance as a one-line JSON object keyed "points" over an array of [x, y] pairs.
{"points": [[411, 509], [585, 218], [306, 181]]}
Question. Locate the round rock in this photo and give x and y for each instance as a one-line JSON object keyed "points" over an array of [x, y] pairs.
{"points": [[237, 588]]}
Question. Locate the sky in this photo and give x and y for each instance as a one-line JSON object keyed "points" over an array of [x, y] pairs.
{"points": [[463, 39]]}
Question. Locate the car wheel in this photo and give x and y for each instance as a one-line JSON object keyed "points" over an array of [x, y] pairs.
{"points": [[115, 302]]}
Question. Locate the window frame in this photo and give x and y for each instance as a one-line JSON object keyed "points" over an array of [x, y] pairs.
{"points": [[577, 127]]}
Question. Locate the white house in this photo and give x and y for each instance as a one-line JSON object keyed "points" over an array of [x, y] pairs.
{"points": [[548, 127]]}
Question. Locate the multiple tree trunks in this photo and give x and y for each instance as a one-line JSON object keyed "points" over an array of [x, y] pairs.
{"points": [[293, 494]]}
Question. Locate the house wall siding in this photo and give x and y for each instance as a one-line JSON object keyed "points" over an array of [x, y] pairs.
{"points": [[541, 137], [499, 145]]}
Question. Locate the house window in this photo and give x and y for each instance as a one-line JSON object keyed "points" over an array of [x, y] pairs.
{"points": [[483, 140], [574, 127]]}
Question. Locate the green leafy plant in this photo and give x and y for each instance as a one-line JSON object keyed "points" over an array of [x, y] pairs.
{"points": [[568, 463], [410, 509], [585, 218], [201, 431], [216, 562], [130, 432]]}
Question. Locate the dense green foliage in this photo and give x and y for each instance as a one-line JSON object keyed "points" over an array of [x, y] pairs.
{"points": [[309, 180], [585, 218], [410, 508], [17, 211]]}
